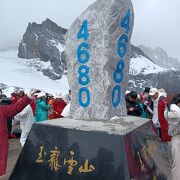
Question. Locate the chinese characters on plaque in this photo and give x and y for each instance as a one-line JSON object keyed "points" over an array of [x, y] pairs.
{"points": [[54, 163]]}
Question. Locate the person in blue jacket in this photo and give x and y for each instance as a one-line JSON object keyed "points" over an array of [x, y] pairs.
{"points": [[42, 108]]}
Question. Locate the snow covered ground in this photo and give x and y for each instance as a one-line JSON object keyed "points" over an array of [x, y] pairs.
{"points": [[15, 73], [142, 65]]}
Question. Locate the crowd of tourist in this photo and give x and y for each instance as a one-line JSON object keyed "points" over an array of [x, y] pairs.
{"points": [[24, 110], [38, 106], [164, 112], [43, 106]]}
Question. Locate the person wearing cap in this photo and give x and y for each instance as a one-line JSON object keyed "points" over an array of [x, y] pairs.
{"points": [[159, 106], [8, 112], [42, 108], [159, 121]]}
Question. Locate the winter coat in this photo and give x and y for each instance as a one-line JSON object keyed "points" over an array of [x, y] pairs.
{"points": [[162, 104], [42, 108], [8, 112], [52, 112], [137, 109], [59, 106], [26, 120], [7, 101], [66, 111], [14, 99], [148, 107], [143, 115], [173, 117]]}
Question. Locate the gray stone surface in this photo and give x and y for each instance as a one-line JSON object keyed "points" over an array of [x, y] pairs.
{"points": [[121, 126], [104, 27]]}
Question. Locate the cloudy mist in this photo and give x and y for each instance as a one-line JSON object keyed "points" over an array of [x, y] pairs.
{"points": [[157, 22]]}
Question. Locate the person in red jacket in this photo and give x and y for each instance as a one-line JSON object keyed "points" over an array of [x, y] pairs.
{"points": [[8, 112], [159, 121], [159, 106], [59, 105]]}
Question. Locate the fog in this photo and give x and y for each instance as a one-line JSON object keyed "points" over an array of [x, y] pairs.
{"points": [[157, 22]]}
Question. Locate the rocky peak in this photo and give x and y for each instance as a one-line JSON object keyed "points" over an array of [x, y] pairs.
{"points": [[159, 51], [46, 43], [137, 52], [50, 25], [161, 58]]}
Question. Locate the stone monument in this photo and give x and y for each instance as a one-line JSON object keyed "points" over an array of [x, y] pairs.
{"points": [[98, 56], [89, 147]]}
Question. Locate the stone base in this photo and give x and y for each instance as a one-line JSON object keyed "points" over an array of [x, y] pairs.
{"points": [[66, 149]]}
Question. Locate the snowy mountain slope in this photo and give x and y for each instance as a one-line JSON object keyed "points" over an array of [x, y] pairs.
{"points": [[145, 72], [15, 72], [142, 65], [161, 58], [21, 73]]}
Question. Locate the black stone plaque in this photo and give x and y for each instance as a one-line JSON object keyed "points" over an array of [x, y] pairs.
{"points": [[86, 151]]}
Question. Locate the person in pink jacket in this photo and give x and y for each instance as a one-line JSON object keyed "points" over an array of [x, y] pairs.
{"points": [[8, 112]]}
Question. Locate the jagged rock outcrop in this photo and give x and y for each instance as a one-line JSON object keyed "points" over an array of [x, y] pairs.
{"points": [[45, 42], [161, 58], [137, 52], [146, 72]]}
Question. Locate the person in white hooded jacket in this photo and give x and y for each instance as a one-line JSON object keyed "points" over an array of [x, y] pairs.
{"points": [[66, 111], [26, 119], [172, 114]]}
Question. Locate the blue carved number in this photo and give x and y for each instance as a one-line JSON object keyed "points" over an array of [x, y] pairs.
{"points": [[82, 53], [84, 97], [123, 40], [83, 75], [125, 23], [83, 33], [83, 57], [116, 96], [118, 74], [121, 50]]}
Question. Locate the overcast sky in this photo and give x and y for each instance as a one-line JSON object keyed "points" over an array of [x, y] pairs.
{"points": [[157, 22]]}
